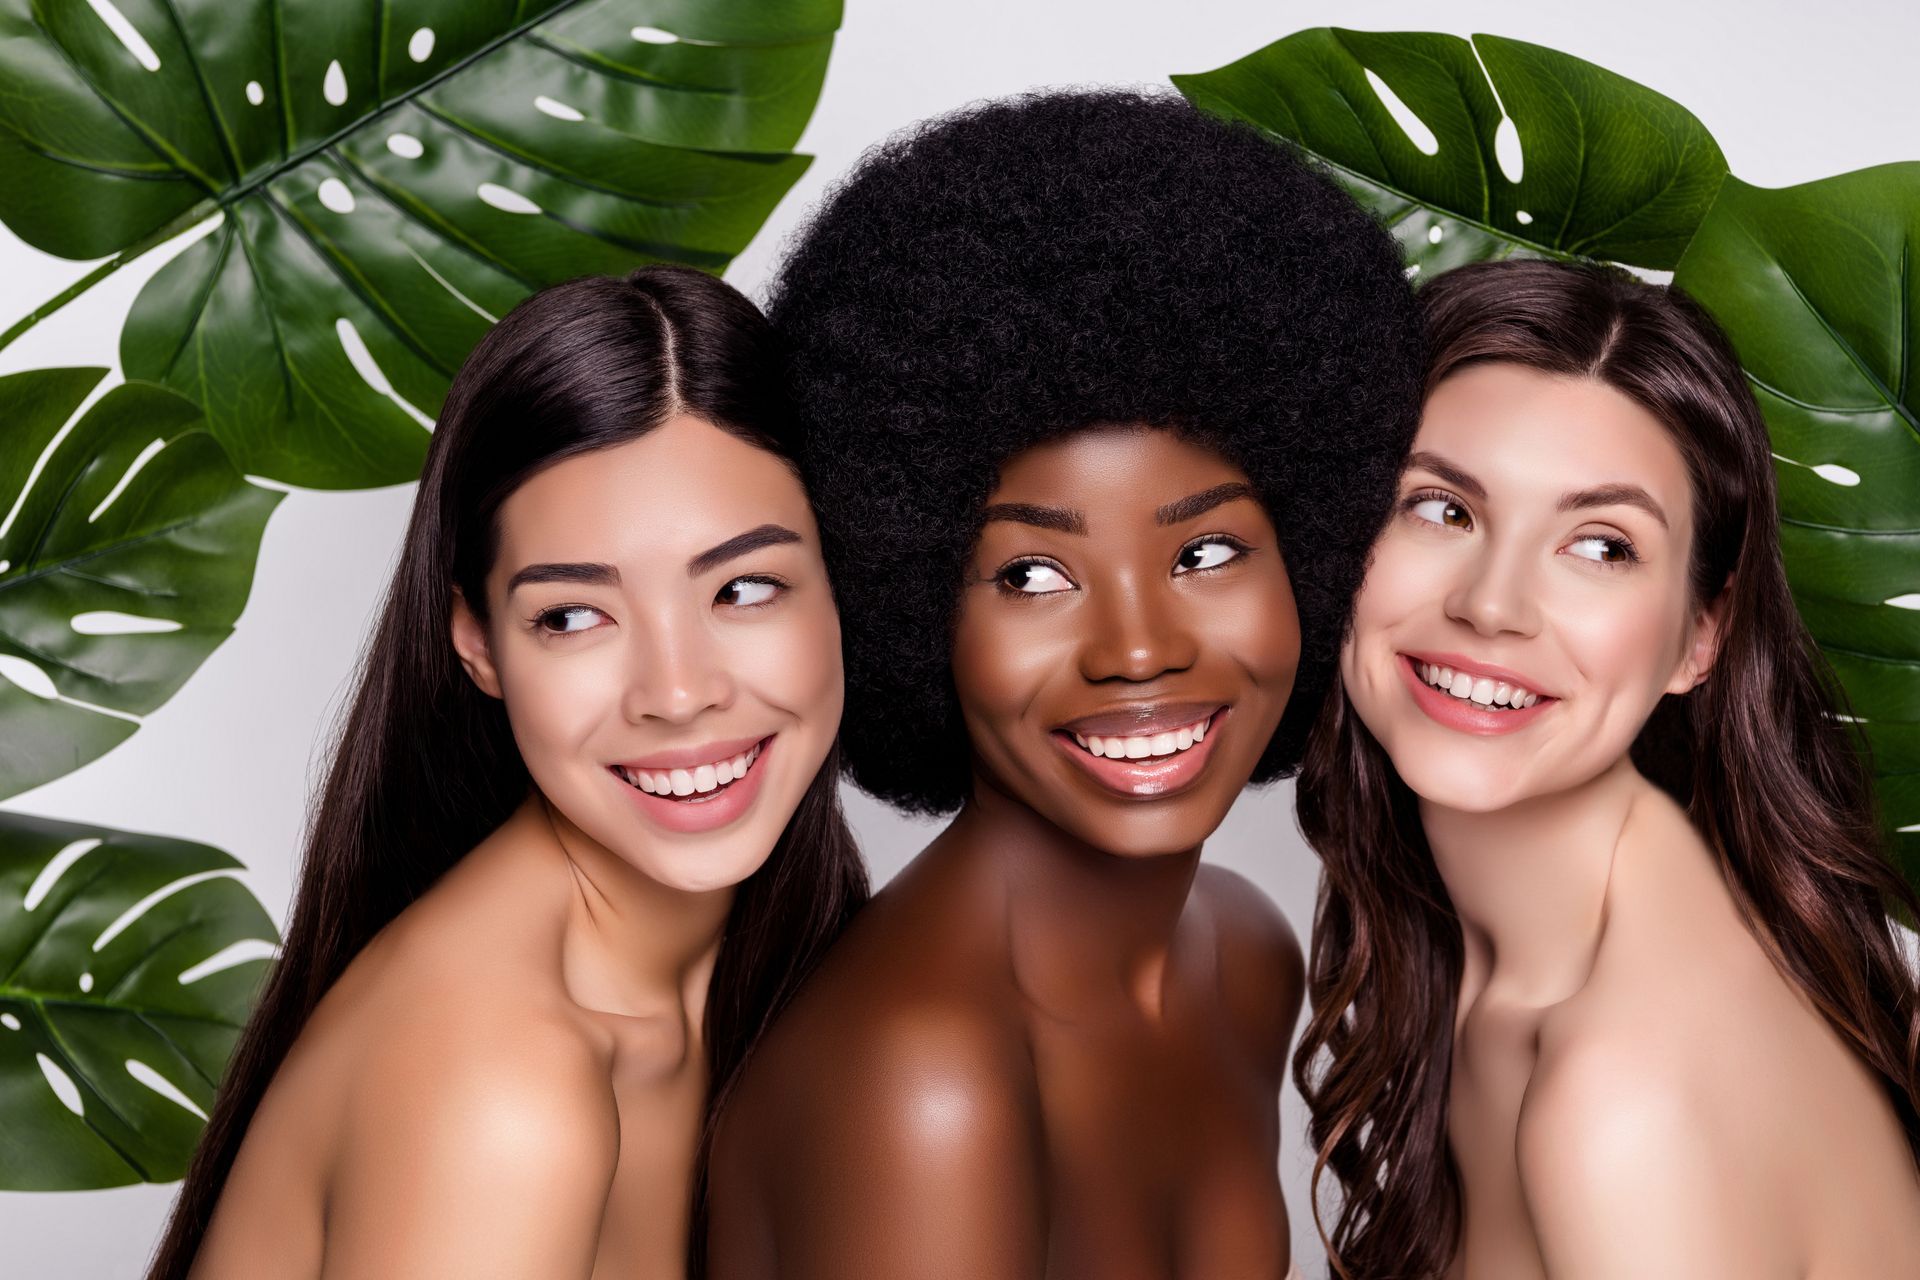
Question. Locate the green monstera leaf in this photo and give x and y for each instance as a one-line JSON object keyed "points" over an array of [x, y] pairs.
{"points": [[127, 966], [1817, 287], [126, 554], [393, 175], [1485, 149]]}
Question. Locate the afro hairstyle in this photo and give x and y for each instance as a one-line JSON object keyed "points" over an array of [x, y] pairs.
{"points": [[1023, 269]]}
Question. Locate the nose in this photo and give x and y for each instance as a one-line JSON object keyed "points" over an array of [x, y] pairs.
{"points": [[675, 671], [1494, 593], [1136, 634]]}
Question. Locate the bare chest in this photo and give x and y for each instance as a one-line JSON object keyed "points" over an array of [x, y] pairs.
{"points": [[1162, 1160], [1494, 1055], [644, 1229]]}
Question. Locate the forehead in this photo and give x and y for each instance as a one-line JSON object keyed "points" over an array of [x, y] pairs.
{"points": [[673, 492], [1524, 430], [1118, 464]]}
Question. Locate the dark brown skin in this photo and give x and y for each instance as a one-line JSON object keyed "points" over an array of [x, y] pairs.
{"points": [[1053, 1045]]}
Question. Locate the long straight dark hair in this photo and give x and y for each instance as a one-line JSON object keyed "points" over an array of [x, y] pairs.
{"points": [[1770, 776], [425, 765]]}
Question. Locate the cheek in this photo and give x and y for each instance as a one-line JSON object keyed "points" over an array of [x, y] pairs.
{"points": [[793, 663], [1258, 628], [555, 701], [1629, 643], [1003, 651]]}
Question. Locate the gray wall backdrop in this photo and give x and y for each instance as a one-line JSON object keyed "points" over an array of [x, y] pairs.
{"points": [[1792, 90]]}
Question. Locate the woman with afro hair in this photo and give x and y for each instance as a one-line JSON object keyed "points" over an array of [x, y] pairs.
{"points": [[1103, 400]]}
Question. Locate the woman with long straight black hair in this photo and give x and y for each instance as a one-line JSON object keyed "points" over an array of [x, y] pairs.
{"points": [[580, 839]]}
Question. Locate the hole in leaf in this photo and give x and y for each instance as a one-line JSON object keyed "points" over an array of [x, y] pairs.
{"points": [[654, 35], [335, 196], [63, 1086], [10, 1022], [1436, 233], [86, 982], [558, 110], [505, 199], [146, 456], [5, 565], [406, 146], [56, 867], [124, 32], [147, 1076], [1410, 124], [334, 87], [1909, 601], [29, 677], [132, 914], [1506, 149], [361, 358], [229, 956], [1413, 271], [1833, 473], [1524, 218], [105, 622], [420, 44], [255, 94]]}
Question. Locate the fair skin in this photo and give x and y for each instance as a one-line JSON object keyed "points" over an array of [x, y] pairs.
{"points": [[1612, 1111], [509, 1081]]}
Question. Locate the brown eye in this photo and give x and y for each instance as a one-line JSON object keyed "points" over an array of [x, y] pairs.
{"points": [[1602, 549], [1442, 511], [1207, 553], [568, 619], [749, 593], [1034, 578]]}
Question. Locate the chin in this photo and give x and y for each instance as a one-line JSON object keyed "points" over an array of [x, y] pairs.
{"points": [[703, 871]]}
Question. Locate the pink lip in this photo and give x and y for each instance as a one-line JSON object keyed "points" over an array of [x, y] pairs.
{"points": [[1464, 714], [1147, 779], [701, 813], [1460, 662], [689, 757]]}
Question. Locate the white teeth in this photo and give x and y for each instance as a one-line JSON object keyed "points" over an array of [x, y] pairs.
{"points": [[644, 781], [1142, 746], [1484, 691], [698, 780], [705, 778], [724, 771], [682, 782]]}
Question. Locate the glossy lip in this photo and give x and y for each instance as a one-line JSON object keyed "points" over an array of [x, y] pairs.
{"points": [[1141, 719], [1460, 662], [1149, 779], [698, 813], [1464, 714], [691, 757]]}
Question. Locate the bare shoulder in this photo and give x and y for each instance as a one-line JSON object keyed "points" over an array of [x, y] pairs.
{"points": [[1628, 1118], [889, 1124], [1262, 971]]}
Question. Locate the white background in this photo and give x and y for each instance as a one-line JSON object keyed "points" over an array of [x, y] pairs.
{"points": [[1792, 90]]}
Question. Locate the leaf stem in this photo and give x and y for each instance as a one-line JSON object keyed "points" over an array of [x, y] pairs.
{"points": [[185, 222]]}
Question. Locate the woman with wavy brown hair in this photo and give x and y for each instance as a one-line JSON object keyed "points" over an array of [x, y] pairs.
{"points": [[1603, 978]]}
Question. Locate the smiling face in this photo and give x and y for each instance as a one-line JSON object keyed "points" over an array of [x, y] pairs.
{"points": [[1528, 604], [1127, 638], [661, 631]]}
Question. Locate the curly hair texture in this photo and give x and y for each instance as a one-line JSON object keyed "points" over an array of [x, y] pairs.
{"points": [[1023, 269]]}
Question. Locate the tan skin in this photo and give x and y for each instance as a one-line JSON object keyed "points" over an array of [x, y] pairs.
{"points": [[509, 1081], [1053, 1045], [1636, 1091]]}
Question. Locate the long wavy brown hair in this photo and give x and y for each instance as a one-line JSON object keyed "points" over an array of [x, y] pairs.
{"points": [[1770, 774]]}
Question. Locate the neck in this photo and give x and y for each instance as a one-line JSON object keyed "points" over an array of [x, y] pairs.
{"points": [[1529, 883], [1085, 925], [631, 945]]}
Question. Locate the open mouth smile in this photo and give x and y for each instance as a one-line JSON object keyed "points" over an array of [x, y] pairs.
{"points": [[1471, 700], [697, 790], [1149, 758]]}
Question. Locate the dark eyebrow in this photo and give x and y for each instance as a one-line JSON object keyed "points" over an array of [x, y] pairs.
{"points": [[1447, 471], [1059, 519], [1198, 504], [593, 575], [1608, 495], [766, 535]]}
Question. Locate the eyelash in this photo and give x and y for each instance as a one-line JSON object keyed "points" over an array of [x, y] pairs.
{"points": [[1226, 539], [1613, 541], [539, 621]]}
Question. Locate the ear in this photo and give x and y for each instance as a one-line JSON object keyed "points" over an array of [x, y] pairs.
{"points": [[1708, 630], [470, 642]]}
